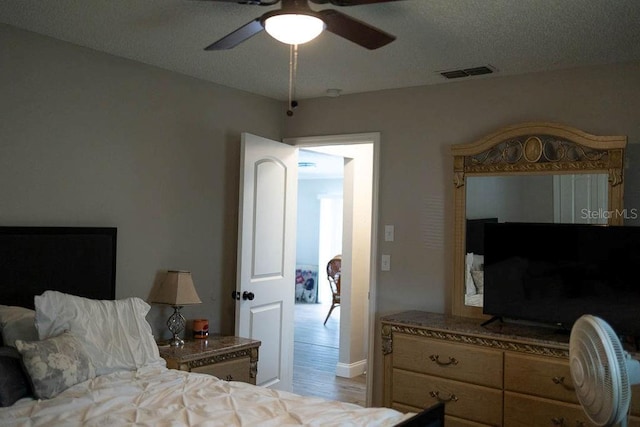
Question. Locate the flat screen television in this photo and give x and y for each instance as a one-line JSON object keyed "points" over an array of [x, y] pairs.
{"points": [[554, 273], [75, 260]]}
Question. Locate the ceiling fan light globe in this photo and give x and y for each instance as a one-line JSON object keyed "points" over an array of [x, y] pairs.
{"points": [[293, 28]]}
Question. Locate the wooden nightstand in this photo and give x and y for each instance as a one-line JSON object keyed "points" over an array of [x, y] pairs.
{"points": [[228, 358]]}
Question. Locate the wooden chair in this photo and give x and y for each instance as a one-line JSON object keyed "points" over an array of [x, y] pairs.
{"points": [[334, 268]]}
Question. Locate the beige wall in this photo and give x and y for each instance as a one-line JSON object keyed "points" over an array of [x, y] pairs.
{"points": [[90, 139], [356, 256], [417, 127]]}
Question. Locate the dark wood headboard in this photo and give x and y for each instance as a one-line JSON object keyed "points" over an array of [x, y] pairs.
{"points": [[75, 260], [475, 234]]}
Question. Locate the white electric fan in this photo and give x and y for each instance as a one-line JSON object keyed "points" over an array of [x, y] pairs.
{"points": [[602, 371]]}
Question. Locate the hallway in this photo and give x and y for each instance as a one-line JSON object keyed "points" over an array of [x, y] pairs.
{"points": [[316, 356]]}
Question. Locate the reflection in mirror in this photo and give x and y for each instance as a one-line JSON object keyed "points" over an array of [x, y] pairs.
{"points": [[580, 198]]}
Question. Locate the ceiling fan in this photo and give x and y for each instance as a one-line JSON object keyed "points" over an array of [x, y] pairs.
{"points": [[296, 23]]}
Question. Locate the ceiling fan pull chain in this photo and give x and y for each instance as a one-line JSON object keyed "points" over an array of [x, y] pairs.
{"points": [[293, 70]]}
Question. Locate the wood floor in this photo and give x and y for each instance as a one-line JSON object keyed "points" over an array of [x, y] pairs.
{"points": [[316, 356]]}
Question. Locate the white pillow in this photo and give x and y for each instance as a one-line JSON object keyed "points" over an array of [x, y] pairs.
{"points": [[17, 323], [114, 333], [477, 263], [20, 329], [470, 287], [9, 313], [478, 280]]}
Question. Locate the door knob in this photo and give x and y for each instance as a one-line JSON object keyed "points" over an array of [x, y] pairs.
{"points": [[235, 295], [248, 296]]}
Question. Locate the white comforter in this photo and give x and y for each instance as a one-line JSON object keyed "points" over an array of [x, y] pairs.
{"points": [[156, 396]]}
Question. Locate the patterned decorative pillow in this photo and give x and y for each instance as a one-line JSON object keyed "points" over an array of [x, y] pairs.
{"points": [[55, 364]]}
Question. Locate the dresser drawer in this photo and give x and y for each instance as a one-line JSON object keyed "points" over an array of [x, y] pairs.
{"points": [[449, 421], [455, 361], [531, 411], [468, 401], [459, 422], [232, 370], [540, 376]]}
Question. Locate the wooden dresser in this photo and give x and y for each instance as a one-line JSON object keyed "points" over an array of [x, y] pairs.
{"points": [[498, 375], [226, 357]]}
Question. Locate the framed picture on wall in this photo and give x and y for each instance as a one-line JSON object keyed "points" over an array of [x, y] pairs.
{"points": [[306, 283]]}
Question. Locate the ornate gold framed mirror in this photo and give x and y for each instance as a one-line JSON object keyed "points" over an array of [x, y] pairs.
{"points": [[579, 169]]}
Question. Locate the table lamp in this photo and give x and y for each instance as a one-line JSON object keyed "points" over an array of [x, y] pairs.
{"points": [[176, 290]]}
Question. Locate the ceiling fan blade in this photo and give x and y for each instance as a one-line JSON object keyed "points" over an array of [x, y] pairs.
{"points": [[354, 30], [251, 2], [351, 2], [238, 36]]}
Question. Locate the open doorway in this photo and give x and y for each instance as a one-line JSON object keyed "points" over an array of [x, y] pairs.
{"points": [[319, 239], [330, 359]]}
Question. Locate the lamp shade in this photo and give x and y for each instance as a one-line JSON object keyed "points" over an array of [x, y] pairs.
{"points": [[176, 289], [294, 28]]}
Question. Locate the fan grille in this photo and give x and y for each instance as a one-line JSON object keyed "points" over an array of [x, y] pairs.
{"points": [[598, 370]]}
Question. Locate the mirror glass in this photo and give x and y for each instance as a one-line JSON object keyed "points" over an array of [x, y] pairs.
{"points": [[580, 198]]}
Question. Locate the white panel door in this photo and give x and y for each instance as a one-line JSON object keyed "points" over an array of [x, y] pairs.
{"points": [[266, 255], [580, 199]]}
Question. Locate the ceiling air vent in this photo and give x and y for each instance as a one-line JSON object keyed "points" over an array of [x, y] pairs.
{"points": [[475, 71]]}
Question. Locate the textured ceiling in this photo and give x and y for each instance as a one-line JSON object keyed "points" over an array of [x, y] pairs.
{"points": [[512, 36]]}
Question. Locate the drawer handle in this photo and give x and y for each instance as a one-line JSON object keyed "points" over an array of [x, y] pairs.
{"points": [[436, 394], [229, 378], [560, 381], [557, 421], [436, 358]]}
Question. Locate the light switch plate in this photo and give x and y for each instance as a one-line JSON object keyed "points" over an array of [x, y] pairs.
{"points": [[388, 233], [386, 263]]}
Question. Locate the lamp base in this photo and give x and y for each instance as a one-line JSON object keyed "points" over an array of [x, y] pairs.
{"points": [[176, 341], [176, 323]]}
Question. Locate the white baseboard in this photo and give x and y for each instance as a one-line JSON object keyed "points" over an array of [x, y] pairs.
{"points": [[346, 370]]}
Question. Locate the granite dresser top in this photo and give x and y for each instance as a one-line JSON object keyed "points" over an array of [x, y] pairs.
{"points": [[519, 337], [497, 330]]}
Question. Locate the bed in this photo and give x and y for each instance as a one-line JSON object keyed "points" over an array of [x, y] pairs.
{"points": [[75, 359]]}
